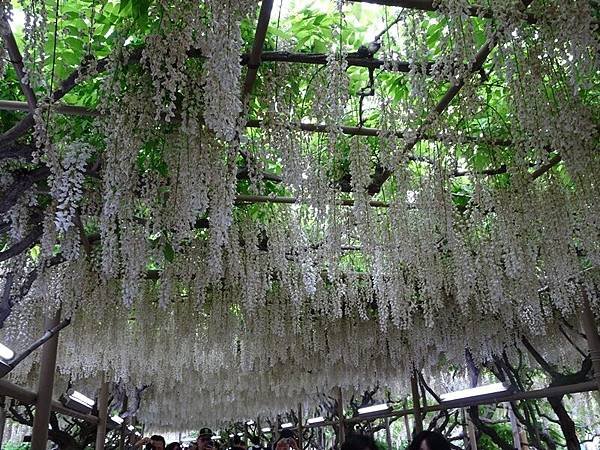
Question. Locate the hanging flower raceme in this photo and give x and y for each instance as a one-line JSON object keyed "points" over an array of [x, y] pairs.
{"points": [[469, 219], [221, 45]]}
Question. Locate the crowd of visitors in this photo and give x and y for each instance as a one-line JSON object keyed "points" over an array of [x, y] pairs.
{"points": [[426, 440]]}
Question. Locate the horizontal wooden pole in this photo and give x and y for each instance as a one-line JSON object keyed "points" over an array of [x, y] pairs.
{"points": [[321, 59], [11, 390], [48, 334], [291, 200], [68, 110], [485, 399], [428, 5], [74, 110], [28, 397]]}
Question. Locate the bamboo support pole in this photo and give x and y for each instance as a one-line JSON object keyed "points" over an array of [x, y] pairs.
{"points": [[43, 404]]}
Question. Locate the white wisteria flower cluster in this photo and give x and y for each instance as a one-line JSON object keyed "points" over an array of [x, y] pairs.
{"points": [[376, 254]]}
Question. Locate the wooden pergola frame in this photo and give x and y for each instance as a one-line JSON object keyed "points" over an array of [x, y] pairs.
{"points": [[43, 398], [254, 59]]}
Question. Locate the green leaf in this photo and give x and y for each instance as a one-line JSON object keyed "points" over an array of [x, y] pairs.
{"points": [[34, 252], [168, 252], [140, 10], [69, 57], [126, 8]]}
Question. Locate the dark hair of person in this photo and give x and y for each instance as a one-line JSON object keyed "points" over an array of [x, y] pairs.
{"points": [[355, 441], [158, 437], [237, 442], [286, 434], [434, 440], [173, 446]]}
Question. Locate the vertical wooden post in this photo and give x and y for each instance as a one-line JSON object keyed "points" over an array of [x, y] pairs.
{"points": [[471, 432], [102, 413], [300, 426], [340, 414], [514, 424], [407, 424], [414, 384], [321, 435], [523, 438], [2, 418], [123, 425], [465, 428], [593, 339], [39, 433], [388, 433]]}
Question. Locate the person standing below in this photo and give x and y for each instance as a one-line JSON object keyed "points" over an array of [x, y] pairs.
{"points": [[237, 444], [286, 441], [429, 440], [173, 446], [155, 442], [356, 441], [204, 440], [255, 440]]}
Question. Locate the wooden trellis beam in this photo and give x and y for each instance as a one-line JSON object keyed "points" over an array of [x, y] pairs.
{"points": [[428, 5], [254, 58], [483, 399], [26, 123], [17, 62], [321, 59], [74, 110], [382, 174], [27, 397], [243, 199]]}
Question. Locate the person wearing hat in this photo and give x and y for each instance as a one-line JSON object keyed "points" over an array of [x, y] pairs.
{"points": [[204, 440], [286, 441]]}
